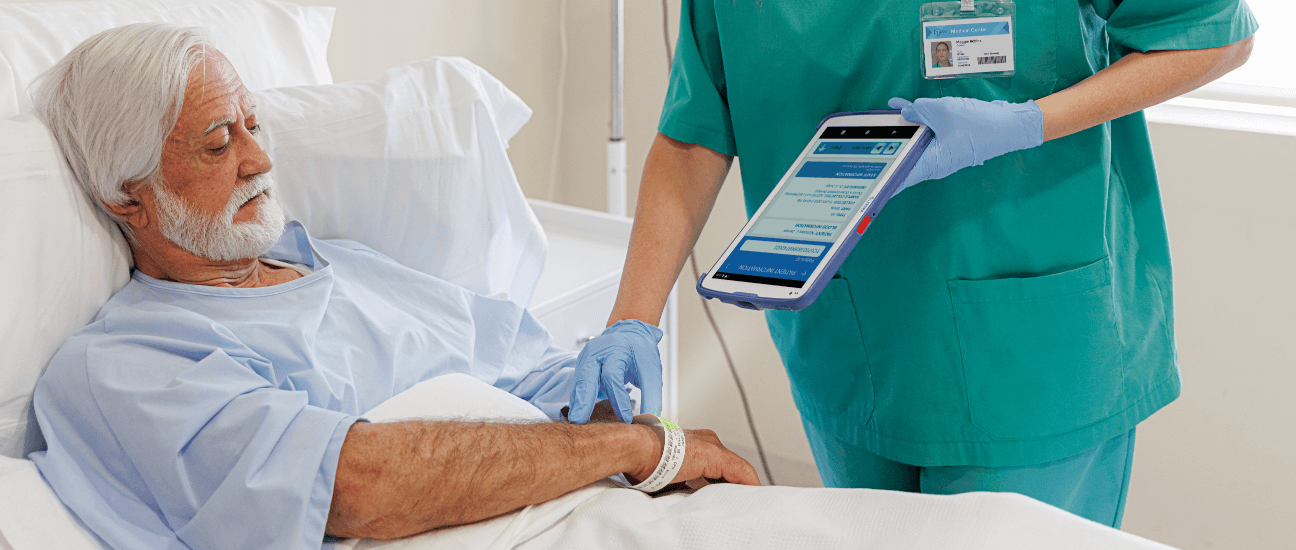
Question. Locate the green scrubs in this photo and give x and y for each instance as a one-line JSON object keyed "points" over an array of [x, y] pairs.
{"points": [[1012, 314], [1092, 484]]}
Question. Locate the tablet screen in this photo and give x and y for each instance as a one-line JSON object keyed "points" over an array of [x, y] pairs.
{"points": [[794, 232]]}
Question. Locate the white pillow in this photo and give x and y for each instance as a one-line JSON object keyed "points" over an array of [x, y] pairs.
{"points": [[343, 154], [63, 261], [270, 43], [413, 164]]}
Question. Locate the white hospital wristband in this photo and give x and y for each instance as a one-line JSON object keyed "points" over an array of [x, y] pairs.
{"points": [[672, 457]]}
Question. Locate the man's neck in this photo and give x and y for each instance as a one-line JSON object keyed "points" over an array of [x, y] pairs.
{"points": [[168, 262]]}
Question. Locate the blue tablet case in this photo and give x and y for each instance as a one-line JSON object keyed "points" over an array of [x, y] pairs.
{"points": [[752, 301]]}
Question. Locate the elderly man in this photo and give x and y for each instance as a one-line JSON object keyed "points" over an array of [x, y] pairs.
{"points": [[214, 400]]}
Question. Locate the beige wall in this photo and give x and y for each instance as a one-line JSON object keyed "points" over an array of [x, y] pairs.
{"points": [[1213, 470], [519, 42]]}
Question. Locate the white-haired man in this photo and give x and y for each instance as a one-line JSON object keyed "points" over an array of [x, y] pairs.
{"points": [[213, 402]]}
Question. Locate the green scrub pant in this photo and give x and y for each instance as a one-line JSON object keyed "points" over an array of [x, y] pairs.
{"points": [[1091, 484]]}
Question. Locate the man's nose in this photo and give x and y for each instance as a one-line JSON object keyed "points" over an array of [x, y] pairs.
{"points": [[255, 160]]}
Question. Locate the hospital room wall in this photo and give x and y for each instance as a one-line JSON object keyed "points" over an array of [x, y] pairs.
{"points": [[1213, 469]]}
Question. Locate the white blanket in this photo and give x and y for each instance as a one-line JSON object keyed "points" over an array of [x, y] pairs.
{"points": [[602, 515]]}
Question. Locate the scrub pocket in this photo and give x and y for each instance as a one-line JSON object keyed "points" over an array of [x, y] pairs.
{"points": [[1041, 355], [823, 352]]}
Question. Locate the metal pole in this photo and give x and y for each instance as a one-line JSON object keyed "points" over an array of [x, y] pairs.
{"points": [[616, 148]]}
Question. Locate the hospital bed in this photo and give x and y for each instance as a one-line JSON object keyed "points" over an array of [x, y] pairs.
{"points": [[413, 164]]}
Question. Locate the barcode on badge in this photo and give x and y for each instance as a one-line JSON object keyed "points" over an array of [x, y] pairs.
{"points": [[992, 59]]}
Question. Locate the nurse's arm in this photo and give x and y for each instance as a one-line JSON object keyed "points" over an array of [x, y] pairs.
{"points": [[402, 478], [676, 193], [1137, 81]]}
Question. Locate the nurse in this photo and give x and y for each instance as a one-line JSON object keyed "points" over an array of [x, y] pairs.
{"points": [[1004, 325]]}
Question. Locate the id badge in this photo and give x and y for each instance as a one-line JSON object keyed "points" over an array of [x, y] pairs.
{"points": [[968, 38]]}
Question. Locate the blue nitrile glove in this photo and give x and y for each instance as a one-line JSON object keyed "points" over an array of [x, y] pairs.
{"points": [[969, 132], [625, 352]]}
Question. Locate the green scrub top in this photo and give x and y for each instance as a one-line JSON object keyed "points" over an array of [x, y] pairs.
{"points": [[1013, 313]]}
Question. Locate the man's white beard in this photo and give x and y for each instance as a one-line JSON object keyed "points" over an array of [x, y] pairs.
{"points": [[216, 237]]}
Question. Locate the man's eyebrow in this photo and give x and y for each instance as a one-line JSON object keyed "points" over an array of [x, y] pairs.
{"points": [[218, 123], [228, 120]]}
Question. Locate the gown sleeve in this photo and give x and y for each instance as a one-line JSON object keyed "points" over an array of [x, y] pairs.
{"points": [[226, 459], [513, 351], [549, 386]]}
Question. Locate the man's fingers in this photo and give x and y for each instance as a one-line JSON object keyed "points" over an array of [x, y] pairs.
{"points": [[706, 457], [734, 469], [742, 473], [709, 435]]}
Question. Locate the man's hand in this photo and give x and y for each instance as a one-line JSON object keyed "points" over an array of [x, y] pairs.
{"points": [[626, 352], [969, 132], [705, 457]]}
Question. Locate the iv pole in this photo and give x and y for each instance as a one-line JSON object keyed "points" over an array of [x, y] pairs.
{"points": [[616, 147]]}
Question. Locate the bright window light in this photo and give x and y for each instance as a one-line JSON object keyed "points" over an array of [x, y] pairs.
{"points": [[1271, 61]]}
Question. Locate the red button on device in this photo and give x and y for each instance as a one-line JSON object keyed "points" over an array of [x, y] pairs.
{"points": [[863, 224]]}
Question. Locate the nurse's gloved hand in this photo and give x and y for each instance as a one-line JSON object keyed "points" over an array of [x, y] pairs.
{"points": [[626, 352], [969, 132]]}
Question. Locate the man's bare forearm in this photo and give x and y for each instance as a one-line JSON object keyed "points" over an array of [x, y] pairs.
{"points": [[1137, 81], [401, 478], [676, 193]]}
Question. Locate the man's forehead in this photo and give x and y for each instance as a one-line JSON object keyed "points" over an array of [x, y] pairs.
{"points": [[214, 96]]}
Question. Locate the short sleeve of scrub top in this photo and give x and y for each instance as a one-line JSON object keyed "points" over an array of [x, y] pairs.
{"points": [[696, 109], [965, 319], [1147, 25]]}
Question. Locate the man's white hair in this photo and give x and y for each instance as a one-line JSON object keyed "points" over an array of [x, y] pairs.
{"points": [[112, 102]]}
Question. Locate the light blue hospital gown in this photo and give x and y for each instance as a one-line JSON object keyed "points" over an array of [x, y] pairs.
{"points": [[203, 417]]}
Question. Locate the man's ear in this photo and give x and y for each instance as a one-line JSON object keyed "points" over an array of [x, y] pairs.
{"points": [[132, 211]]}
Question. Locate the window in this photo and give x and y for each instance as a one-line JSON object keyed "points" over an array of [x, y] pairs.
{"points": [[1259, 96], [1272, 62]]}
